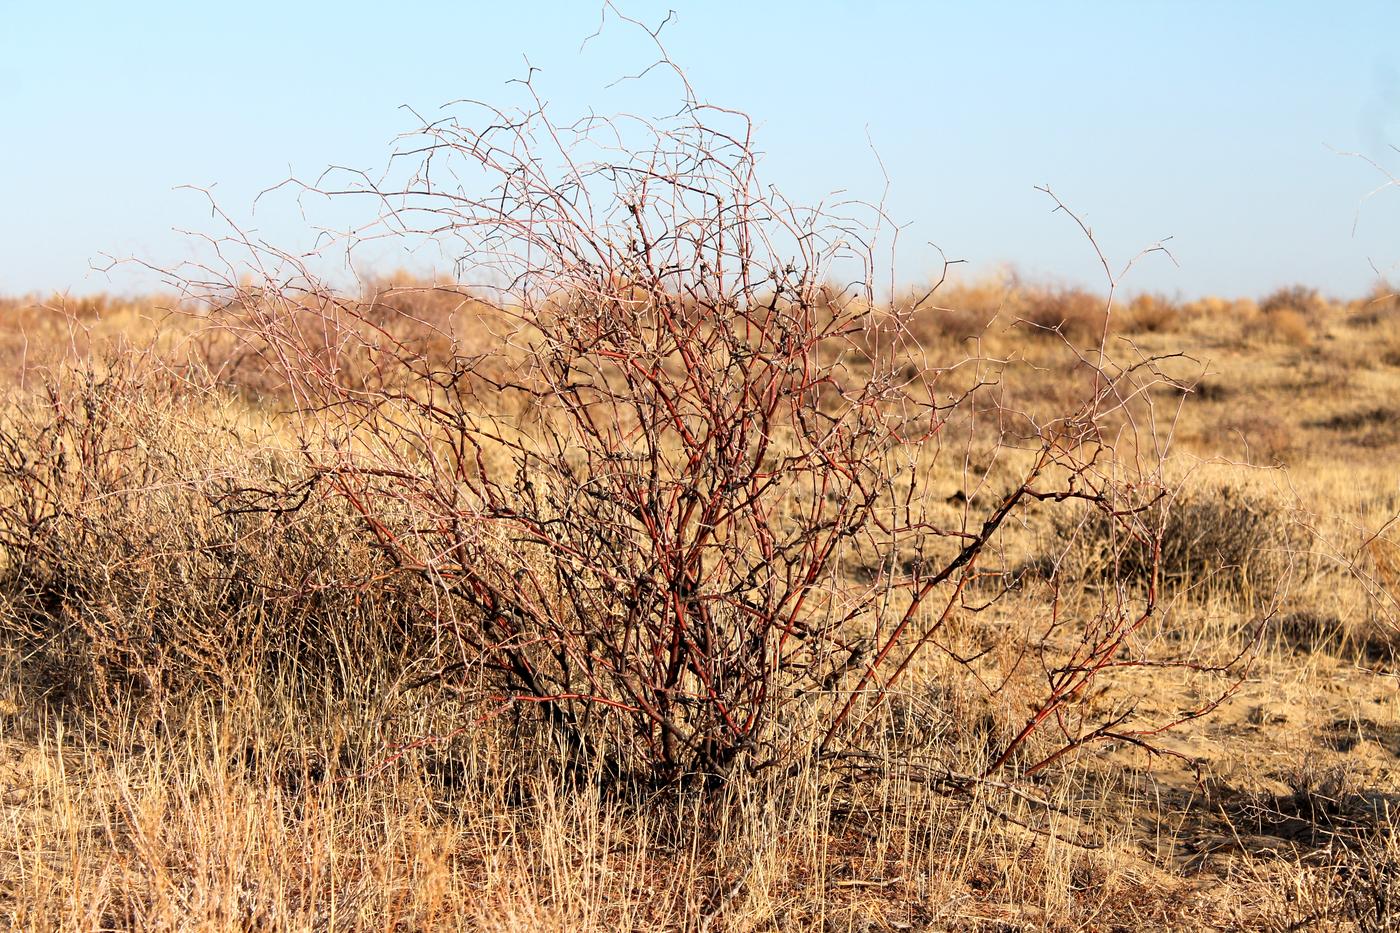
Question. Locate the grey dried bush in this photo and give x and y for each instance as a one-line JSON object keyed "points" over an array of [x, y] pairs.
{"points": [[1303, 299], [1075, 313], [1217, 540]]}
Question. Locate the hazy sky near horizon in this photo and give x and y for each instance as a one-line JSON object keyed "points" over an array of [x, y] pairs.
{"points": [[1217, 124]]}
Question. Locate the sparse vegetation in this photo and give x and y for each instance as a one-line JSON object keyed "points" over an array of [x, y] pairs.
{"points": [[640, 578], [207, 699]]}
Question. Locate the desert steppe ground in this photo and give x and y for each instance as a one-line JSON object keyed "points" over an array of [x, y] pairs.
{"points": [[172, 760]]}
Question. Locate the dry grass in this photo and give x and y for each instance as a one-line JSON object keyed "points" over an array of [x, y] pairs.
{"points": [[222, 720]]}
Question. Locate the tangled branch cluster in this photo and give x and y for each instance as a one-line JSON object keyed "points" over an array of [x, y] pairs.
{"points": [[639, 457]]}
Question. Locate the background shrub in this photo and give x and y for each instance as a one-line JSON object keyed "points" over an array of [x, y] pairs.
{"points": [[1301, 299], [137, 557], [1219, 540]]}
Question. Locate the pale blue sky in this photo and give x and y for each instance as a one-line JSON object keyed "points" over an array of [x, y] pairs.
{"points": [[1208, 122]]}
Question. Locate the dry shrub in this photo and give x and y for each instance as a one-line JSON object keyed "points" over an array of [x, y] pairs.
{"points": [[1368, 427], [1215, 320], [970, 309], [36, 333], [1311, 630], [962, 322], [1267, 436], [1384, 554], [133, 562], [1218, 541], [1381, 306], [959, 311], [1365, 883], [1217, 311], [1383, 342], [1358, 420], [1288, 326], [1352, 879], [1151, 314], [1214, 390], [336, 336], [1075, 313], [1300, 299], [633, 505]]}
